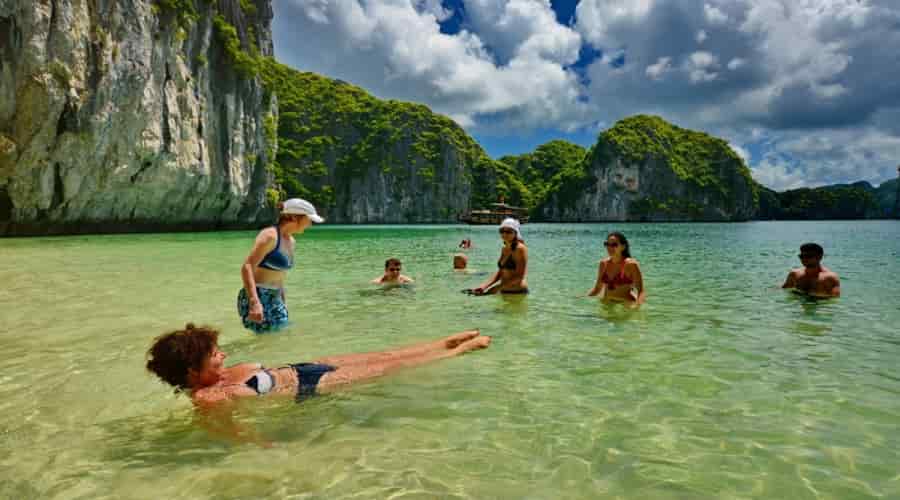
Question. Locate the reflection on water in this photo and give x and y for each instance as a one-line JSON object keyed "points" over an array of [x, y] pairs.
{"points": [[720, 386]]}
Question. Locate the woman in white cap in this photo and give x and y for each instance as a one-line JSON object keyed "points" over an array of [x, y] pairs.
{"points": [[261, 300], [512, 266]]}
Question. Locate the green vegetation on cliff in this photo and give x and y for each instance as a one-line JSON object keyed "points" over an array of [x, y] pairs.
{"points": [[247, 61], [855, 201], [331, 133], [547, 168], [695, 157], [648, 160]]}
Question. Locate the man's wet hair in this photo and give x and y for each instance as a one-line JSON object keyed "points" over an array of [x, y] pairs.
{"points": [[812, 248], [392, 262]]}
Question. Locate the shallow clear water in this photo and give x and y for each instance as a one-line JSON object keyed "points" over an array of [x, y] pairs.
{"points": [[721, 386]]}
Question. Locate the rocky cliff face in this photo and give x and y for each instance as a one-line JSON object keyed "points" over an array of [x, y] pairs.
{"points": [[888, 195], [644, 169], [130, 115], [364, 160]]}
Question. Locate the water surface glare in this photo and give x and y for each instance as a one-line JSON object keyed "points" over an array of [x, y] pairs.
{"points": [[721, 386]]}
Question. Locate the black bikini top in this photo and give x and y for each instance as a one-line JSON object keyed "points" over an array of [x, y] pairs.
{"points": [[510, 263]]}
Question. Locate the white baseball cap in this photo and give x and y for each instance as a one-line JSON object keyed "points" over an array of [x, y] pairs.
{"points": [[297, 206], [513, 224]]}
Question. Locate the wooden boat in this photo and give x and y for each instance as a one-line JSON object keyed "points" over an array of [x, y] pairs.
{"points": [[495, 215]]}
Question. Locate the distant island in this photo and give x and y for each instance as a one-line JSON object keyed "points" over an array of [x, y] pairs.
{"points": [[211, 132]]}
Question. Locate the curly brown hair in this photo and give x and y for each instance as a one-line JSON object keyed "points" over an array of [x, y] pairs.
{"points": [[173, 354]]}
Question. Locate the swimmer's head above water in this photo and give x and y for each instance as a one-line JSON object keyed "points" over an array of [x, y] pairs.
{"points": [[460, 261], [811, 255], [617, 244], [182, 357]]}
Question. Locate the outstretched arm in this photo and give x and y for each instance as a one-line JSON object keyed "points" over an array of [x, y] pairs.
{"points": [[598, 285]]}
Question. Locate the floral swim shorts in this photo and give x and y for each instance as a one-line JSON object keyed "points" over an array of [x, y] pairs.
{"points": [[275, 314]]}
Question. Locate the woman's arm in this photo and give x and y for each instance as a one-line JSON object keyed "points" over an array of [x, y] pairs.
{"points": [[264, 244], [638, 278], [218, 420], [598, 285], [487, 284], [520, 257]]}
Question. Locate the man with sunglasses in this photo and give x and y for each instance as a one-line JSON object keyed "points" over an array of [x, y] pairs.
{"points": [[392, 276], [813, 278]]}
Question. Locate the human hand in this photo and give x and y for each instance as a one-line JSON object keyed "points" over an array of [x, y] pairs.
{"points": [[478, 291], [256, 312]]}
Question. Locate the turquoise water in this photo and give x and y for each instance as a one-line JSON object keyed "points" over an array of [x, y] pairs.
{"points": [[721, 386]]}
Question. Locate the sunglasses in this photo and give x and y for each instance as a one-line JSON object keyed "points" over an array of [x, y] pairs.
{"points": [[392, 269], [610, 244], [503, 231]]}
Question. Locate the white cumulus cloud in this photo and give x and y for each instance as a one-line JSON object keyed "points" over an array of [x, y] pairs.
{"points": [[701, 36], [660, 67], [597, 19], [701, 67], [714, 15]]}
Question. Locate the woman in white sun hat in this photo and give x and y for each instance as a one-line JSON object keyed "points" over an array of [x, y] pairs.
{"points": [[512, 266], [261, 300]]}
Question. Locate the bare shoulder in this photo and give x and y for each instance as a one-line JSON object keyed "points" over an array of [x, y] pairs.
{"points": [[631, 262], [832, 276], [267, 234], [210, 396]]}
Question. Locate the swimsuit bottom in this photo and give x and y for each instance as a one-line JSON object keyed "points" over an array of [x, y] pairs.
{"points": [[275, 313], [308, 375]]}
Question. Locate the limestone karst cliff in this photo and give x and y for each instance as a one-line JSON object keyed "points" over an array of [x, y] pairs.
{"points": [[132, 115], [366, 160], [645, 169]]}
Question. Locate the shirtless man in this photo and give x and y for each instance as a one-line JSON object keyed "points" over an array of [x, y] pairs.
{"points": [[392, 276], [813, 278]]}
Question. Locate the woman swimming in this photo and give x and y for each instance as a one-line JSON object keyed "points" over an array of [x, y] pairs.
{"points": [[261, 302], [619, 277], [190, 360], [512, 265]]}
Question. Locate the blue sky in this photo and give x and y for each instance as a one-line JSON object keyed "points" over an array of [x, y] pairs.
{"points": [[807, 92]]}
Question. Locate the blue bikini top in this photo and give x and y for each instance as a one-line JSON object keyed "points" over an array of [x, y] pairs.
{"points": [[276, 260]]}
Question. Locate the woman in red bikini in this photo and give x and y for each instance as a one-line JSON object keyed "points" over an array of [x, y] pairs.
{"points": [[619, 278]]}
